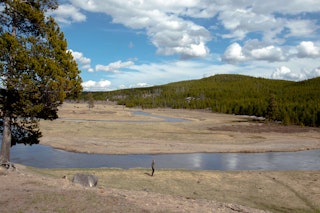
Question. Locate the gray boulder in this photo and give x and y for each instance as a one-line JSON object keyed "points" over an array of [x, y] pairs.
{"points": [[86, 180]]}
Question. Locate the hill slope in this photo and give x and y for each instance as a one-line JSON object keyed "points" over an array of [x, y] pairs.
{"points": [[278, 100]]}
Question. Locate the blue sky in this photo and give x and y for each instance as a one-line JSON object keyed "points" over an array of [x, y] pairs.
{"points": [[138, 43]]}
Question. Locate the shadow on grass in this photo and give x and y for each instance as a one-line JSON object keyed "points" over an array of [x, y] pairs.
{"points": [[146, 173]]}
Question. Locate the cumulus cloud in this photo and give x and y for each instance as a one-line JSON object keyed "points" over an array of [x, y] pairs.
{"points": [[244, 17], [105, 85], [82, 60], [286, 73], [295, 7], [88, 84], [269, 53], [301, 27], [67, 14], [138, 85], [114, 66], [313, 73], [102, 85], [234, 54], [256, 50], [171, 34], [308, 49], [180, 37], [241, 21], [170, 26]]}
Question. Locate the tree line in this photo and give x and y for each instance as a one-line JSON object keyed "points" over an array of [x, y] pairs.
{"points": [[287, 102]]}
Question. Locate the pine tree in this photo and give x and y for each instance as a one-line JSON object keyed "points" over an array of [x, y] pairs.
{"points": [[272, 110], [90, 100], [37, 72]]}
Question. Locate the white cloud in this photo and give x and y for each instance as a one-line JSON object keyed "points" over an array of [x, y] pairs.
{"points": [[170, 29], [180, 37], [292, 7], [143, 85], [285, 73], [256, 50], [67, 14], [241, 21], [164, 26], [82, 60], [312, 73], [88, 84], [105, 85], [269, 53], [102, 85], [115, 66], [301, 28], [308, 49], [234, 54], [269, 19]]}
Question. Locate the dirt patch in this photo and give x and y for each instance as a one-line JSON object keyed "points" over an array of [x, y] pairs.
{"points": [[265, 128]]}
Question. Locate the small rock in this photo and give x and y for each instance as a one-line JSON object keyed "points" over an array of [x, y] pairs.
{"points": [[86, 180]]}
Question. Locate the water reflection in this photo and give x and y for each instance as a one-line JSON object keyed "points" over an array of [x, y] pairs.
{"points": [[164, 118], [231, 161], [46, 157], [140, 113]]}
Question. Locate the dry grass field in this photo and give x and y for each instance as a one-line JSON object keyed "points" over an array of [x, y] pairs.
{"points": [[44, 190], [113, 129]]}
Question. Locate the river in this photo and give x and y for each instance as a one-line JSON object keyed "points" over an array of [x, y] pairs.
{"points": [[42, 156]]}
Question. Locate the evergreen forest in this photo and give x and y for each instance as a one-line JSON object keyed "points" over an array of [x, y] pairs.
{"points": [[282, 101]]}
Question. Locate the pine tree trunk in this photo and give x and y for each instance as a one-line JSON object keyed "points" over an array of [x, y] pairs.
{"points": [[6, 141]]}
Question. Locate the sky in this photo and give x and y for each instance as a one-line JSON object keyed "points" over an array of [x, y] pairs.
{"points": [[140, 43]]}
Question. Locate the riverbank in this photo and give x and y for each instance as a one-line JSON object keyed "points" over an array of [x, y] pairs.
{"points": [[113, 129], [29, 189]]}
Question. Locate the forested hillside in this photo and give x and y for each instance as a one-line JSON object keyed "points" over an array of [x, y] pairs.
{"points": [[277, 100]]}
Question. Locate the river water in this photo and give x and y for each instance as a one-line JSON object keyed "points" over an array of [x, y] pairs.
{"points": [[42, 156]]}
